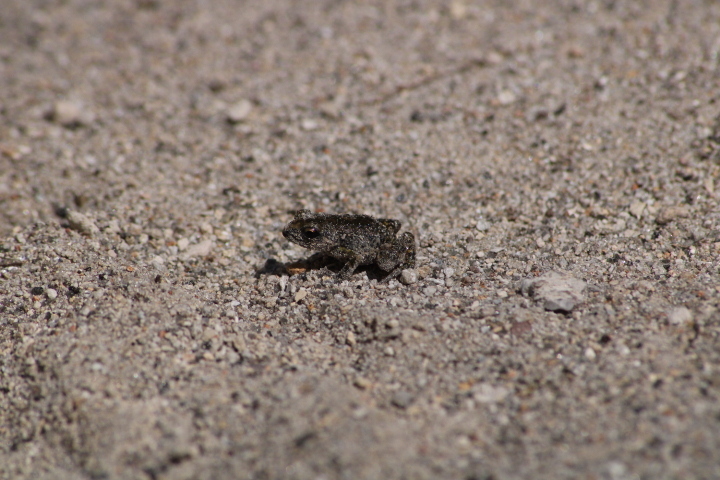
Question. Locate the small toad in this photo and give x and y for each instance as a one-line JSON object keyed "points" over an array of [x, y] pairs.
{"points": [[354, 239]]}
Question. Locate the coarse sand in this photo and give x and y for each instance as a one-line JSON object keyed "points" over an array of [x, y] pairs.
{"points": [[558, 163]]}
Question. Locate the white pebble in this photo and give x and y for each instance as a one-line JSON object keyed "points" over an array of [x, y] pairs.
{"points": [[199, 249], [637, 208], [408, 276], [239, 111], [302, 293], [308, 124], [482, 225], [69, 113], [506, 97], [82, 223], [679, 316]]}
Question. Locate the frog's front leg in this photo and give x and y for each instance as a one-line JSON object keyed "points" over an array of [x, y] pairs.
{"points": [[352, 261]]}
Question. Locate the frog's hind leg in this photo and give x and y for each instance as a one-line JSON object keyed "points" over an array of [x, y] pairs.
{"points": [[391, 224], [397, 256]]}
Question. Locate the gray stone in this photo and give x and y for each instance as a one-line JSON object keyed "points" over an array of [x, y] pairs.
{"points": [[558, 291], [680, 316], [82, 224], [669, 214], [239, 111]]}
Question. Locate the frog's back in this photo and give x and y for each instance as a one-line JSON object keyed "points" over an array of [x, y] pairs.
{"points": [[362, 232]]}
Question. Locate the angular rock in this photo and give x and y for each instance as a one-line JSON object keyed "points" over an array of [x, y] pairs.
{"points": [[82, 224], [669, 214], [69, 113], [680, 316], [558, 291], [198, 250]]}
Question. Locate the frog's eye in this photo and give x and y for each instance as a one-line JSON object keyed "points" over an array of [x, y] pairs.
{"points": [[311, 232]]}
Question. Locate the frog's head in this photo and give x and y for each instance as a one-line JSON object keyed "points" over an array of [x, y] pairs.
{"points": [[307, 229]]}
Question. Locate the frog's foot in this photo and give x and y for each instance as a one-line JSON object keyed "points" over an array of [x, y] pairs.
{"points": [[393, 274]]}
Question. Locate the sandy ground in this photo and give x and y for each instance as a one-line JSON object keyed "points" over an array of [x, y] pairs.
{"points": [[558, 162]]}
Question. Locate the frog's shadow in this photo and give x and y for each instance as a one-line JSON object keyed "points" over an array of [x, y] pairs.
{"points": [[316, 261]]}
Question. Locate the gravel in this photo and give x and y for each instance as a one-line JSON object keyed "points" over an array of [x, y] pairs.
{"points": [[154, 323]]}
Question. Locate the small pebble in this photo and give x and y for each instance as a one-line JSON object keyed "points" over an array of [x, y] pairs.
{"points": [[637, 208], [82, 224], [302, 293], [482, 225], [617, 470], [362, 383], [458, 9], [239, 111], [199, 249], [669, 214], [623, 350], [487, 311], [590, 354], [506, 97], [51, 293], [559, 292], [430, 291], [521, 328], [402, 399], [308, 124], [133, 229], [97, 367], [209, 333], [487, 393], [679, 316], [70, 113], [350, 338], [408, 276]]}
